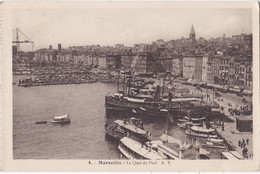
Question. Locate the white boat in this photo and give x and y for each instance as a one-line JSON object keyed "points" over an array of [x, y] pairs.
{"points": [[197, 119], [228, 156], [132, 149], [193, 124], [168, 152], [202, 129], [132, 128], [216, 140], [212, 145], [237, 155], [183, 120], [61, 119], [202, 135]]}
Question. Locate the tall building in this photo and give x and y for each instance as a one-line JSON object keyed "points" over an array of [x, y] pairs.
{"points": [[192, 41], [142, 62], [59, 47], [205, 68], [192, 67], [192, 34], [223, 70], [176, 66]]}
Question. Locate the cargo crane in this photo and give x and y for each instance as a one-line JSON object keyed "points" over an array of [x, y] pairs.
{"points": [[18, 42]]}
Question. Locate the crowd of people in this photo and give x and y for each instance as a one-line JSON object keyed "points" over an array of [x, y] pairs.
{"points": [[242, 144], [243, 110]]}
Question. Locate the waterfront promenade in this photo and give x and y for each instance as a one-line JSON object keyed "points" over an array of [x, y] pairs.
{"points": [[230, 133], [232, 136]]}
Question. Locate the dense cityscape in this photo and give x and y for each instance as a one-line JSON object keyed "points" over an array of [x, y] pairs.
{"points": [[223, 61], [203, 87]]}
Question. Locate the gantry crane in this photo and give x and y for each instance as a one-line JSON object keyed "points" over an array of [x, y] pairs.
{"points": [[17, 41]]}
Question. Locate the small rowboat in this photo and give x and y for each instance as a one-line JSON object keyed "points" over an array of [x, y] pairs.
{"points": [[212, 145], [41, 122], [215, 140]]}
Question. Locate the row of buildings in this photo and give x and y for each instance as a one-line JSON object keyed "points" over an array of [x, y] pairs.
{"points": [[218, 69], [225, 61]]}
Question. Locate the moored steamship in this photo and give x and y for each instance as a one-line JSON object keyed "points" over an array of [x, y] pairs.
{"points": [[178, 107], [148, 101]]}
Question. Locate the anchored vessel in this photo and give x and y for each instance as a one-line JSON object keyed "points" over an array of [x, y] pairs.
{"points": [[132, 128], [146, 106], [216, 140], [61, 119], [132, 149], [214, 145], [201, 132], [148, 101]]}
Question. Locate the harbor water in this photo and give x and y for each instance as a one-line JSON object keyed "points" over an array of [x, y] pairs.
{"points": [[85, 137]]}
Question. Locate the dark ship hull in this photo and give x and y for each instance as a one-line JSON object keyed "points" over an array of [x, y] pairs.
{"points": [[157, 109]]}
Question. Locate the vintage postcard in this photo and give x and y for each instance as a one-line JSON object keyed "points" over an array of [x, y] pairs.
{"points": [[130, 86]]}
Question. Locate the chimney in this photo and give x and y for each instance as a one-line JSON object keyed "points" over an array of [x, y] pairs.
{"points": [[50, 47]]}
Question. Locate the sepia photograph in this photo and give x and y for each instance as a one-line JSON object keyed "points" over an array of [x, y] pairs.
{"points": [[123, 83]]}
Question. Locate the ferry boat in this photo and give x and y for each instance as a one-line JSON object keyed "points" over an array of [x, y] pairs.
{"points": [[132, 128], [61, 119], [132, 149]]}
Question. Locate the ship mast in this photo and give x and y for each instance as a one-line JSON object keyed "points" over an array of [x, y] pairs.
{"points": [[118, 80], [123, 87], [168, 114], [129, 82]]}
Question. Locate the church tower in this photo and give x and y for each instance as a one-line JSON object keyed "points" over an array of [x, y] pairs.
{"points": [[192, 34]]}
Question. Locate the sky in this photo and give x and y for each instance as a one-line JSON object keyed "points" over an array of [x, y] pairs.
{"points": [[80, 27]]}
